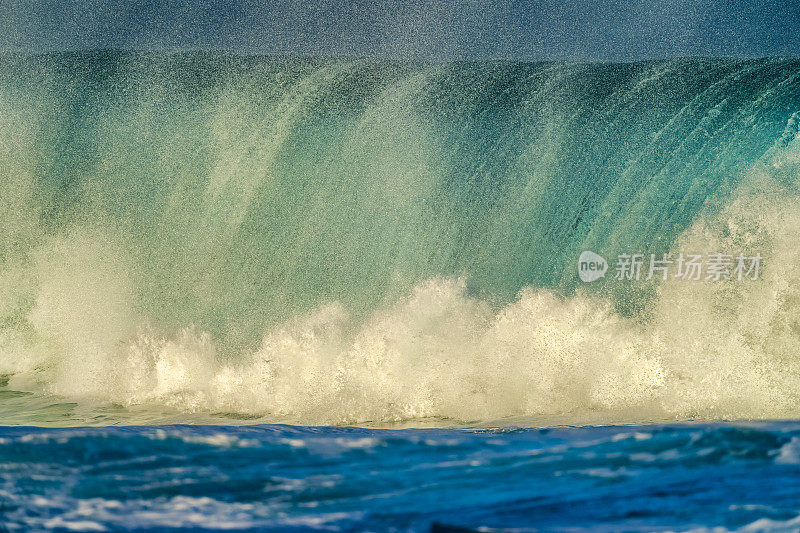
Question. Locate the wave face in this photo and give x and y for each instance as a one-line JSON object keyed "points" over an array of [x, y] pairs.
{"points": [[364, 242]]}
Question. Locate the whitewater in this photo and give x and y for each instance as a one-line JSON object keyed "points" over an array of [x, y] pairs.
{"points": [[217, 238]]}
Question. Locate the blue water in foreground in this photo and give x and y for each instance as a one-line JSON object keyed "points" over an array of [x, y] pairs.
{"points": [[688, 477]]}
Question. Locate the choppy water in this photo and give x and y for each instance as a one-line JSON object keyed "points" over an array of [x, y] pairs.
{"points": [[710, 477]]}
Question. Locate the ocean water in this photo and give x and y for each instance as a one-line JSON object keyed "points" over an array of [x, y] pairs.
{"points": [[702, 478], [273, 249]]}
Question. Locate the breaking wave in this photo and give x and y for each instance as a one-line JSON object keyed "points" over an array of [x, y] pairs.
{"points": [[327, 242]]}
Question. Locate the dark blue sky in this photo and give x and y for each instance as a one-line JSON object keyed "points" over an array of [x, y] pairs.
{"points": [[430, 29]]}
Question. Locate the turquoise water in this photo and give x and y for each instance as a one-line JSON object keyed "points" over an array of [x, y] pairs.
{"points": [[237, 242], [320, 241]]}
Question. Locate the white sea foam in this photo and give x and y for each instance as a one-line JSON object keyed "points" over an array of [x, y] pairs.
{"points": [[708, 350]]}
